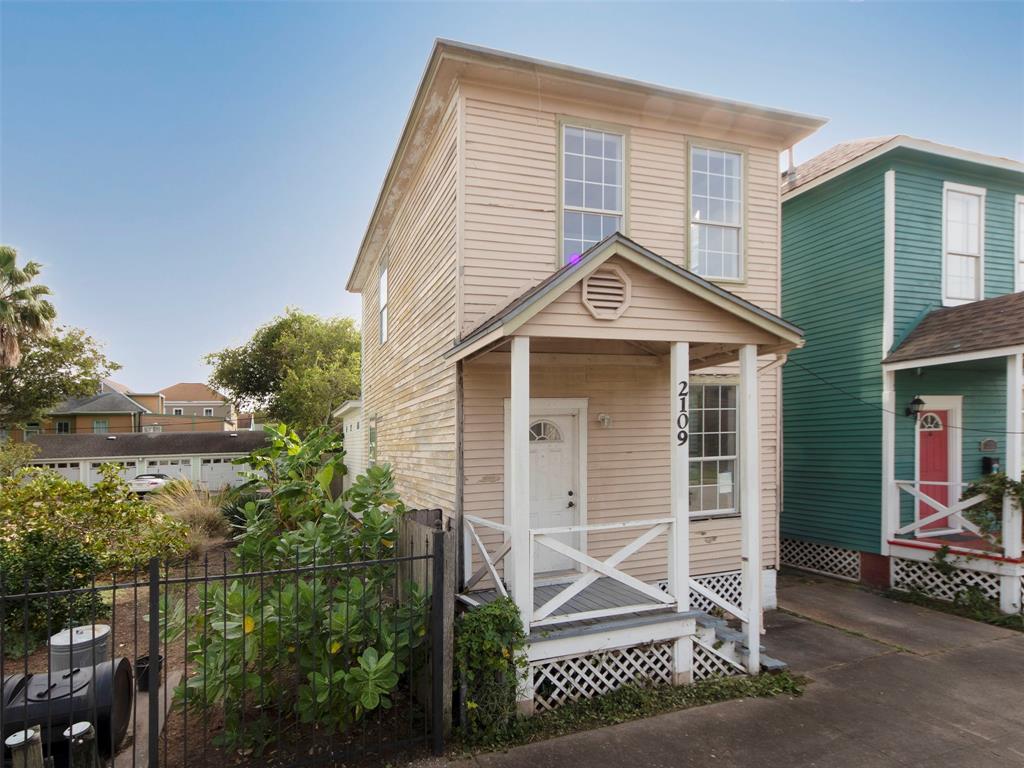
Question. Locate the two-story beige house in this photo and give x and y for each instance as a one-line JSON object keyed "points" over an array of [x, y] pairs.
{"points": [[570, 344]]}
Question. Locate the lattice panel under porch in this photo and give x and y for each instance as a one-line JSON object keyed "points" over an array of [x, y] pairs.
{"points": [[708, 664], [726, 585], [925, 577], [821, 558], [559, 681]]}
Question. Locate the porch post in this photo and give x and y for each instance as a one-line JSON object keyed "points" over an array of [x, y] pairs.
{"points": [[750, 502], [519, 479], [1010, 588], [679, 493]]}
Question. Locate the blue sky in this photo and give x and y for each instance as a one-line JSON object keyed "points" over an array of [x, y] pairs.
{"points": [[184, 171]]}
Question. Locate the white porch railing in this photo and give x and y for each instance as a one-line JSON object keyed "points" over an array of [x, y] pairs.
{"points": [[953, 512], [593, 569], [490, 562]]}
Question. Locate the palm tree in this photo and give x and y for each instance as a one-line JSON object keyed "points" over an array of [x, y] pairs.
{"points": [[24, 313]]}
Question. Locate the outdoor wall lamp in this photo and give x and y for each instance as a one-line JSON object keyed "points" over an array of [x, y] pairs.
{"points": [[604, 420], [915, 406]]}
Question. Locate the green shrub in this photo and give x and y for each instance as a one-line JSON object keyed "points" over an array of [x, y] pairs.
{"points": [[490, 657], [112, 524], [988, 515], [42, 562], [325, 646]]}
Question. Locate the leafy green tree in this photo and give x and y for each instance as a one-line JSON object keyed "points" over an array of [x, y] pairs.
{"points": [[67, 363], [14, 456], [24, 312], [295, 369]]}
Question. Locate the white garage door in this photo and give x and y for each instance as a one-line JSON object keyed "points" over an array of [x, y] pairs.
{"points": [[218, 472], [69, 470], [174, 468], [127, 470]]}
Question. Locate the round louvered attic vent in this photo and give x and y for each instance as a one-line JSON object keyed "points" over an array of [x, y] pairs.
{"points": [[606, 293]]}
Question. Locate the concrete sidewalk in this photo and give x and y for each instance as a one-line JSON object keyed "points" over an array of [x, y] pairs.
{"points": [[894, 685]]}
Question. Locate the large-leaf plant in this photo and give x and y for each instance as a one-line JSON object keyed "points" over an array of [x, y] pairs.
{"points": [[322, 635]]}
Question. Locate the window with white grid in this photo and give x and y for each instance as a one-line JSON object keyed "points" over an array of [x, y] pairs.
{"points": [[963, 238], [592, 188], [713, 449], [716, 213]]}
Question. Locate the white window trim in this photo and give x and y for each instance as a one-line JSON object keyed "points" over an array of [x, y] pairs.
{"points": [[177, 412], [207, 411], [585, 125], [732, 381], [742, 226], [383, 300], [947, 187], [1018, 243], [104, 422]]}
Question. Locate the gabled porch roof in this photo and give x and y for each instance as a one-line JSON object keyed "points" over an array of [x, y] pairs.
{"points": [[510, 318], [976, 331]]}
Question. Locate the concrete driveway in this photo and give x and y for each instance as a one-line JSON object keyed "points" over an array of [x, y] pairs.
{"points": [[894, 685]]}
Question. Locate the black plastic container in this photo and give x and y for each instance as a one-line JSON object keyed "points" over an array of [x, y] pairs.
{"points": [[102, 695], [142, 671]]}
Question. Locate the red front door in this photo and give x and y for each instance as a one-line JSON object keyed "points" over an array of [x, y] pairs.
{"points": [[933, 464]]}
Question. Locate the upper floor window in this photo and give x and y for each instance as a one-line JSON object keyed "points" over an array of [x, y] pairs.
{"points": [[593, 202], [207, 411], [152, 428], [963, 243], [63, 427], [33, 428], [1019, 241], [100, 426], [178, 412], [716, 213], [382, 300]]}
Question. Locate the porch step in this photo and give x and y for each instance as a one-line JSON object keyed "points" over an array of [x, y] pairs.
{"points": [[731, 643]]}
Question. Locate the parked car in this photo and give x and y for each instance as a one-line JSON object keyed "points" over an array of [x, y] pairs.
{"points": [[143, 484]]}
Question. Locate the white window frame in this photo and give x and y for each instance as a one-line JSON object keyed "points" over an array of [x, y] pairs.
{"points": [[56, 427], [151, 428], [177, 411], [33, 428], [383, 297], [720, 381], [583, 125], [1018, 243], [207, 411], [97, 422], [741, 228], [980, 193]]}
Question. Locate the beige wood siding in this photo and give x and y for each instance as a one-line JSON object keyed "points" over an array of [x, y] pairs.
{"points": [[510, 204], [407, 385], [628, 463], [657, 311]]}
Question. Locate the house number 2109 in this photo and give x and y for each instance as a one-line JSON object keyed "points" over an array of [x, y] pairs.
{"points": [[683, 419]]}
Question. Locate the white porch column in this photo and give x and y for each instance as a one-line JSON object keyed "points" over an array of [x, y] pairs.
{"points": [[1010, 589], [890, 493], [679, 493], [750, 502], [519, 480]]}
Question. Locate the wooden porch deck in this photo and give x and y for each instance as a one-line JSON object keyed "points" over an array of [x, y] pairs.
{"points": [[603, 593]]}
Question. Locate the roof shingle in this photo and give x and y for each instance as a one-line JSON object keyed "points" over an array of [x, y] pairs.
{"points": [[981, 325], [89, 446]]}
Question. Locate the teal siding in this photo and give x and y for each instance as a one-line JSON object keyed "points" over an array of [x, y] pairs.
{"points": [[832, 279], [919, 234], [983, 386]]}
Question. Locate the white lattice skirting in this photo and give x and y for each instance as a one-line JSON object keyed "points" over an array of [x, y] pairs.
{"points": [[708, 664], [558, 681], [728, 585], [925, 577], [821, 558]]}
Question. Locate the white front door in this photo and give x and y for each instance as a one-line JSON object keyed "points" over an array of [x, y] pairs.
{"points": [[554, 486]]}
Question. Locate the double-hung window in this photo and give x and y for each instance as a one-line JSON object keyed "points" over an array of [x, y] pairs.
{"points": [[207, 411], [100, 426], [712, 449], [593, 203], [382, 300], [716, 213], [963, 243], [63, 427]]}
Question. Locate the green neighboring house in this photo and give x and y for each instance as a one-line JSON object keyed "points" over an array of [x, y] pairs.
{"points": [[903, 261]]}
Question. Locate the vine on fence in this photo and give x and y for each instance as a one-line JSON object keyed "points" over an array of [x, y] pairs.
{"points": [[490, 658], [988, 515]]}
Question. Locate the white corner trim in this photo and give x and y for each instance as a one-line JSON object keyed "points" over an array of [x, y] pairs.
{"points": [[947, 187], [889, 289], [890, 494], [1018, 243]]}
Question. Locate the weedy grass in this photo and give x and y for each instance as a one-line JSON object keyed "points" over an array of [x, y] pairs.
{"points": [[969, 604], [632, 702]]}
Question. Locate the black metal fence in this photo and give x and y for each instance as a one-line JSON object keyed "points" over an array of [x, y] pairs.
{"points": [[285, 661]]}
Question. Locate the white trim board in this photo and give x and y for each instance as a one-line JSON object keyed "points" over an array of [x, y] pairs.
{"points": [[962, 357], [908, 142], [1018, 243], [889, 278]]}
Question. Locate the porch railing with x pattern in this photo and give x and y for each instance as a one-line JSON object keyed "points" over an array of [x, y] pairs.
{"points": [[928, 511]]}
